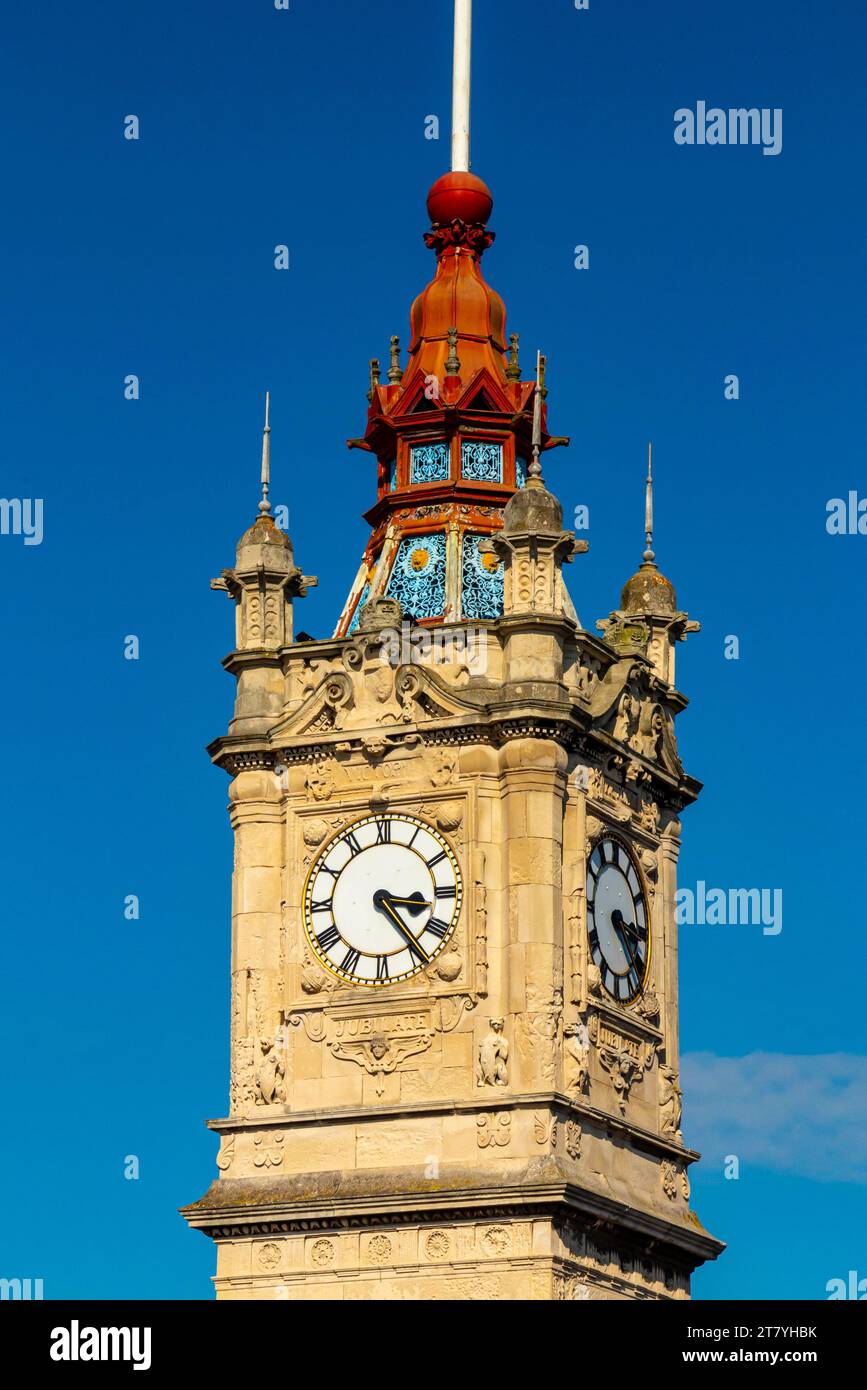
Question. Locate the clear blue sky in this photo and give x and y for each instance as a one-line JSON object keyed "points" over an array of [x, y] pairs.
{"points": [[155, 257]]}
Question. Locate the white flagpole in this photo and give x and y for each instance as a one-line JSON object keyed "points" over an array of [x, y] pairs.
{"points": [[461, 85]]}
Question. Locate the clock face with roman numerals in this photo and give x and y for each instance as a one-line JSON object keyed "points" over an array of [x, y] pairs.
{"points": [[382, 899], [617, 921]]}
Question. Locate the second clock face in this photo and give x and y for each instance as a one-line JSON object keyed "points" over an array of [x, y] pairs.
{"points": [[617, 921], [382, 899]]}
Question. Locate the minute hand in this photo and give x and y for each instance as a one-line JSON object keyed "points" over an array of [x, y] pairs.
{"points": [[384, 903], [623, 928]]}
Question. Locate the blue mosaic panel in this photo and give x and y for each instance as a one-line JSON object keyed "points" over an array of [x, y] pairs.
{"points": [[392, 474], [362, 600], [520, 471], [430, 463], [418, 576], [481, 587], [481, 461]]}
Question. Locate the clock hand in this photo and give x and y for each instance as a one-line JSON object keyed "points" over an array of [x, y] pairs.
{"points": [[383, 902], [415, 904], [621, 928]]}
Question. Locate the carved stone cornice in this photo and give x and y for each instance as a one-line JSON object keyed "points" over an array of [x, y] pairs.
{"points": [[276, 1204]]}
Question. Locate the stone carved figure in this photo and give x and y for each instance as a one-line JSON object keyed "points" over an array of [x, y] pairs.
{"points": [[648, 739], [320, 782], [623, 1070], [444, 771], [269, 1077], [626, 718], [493, 1067], [670, 1101], [379, 1055], [578, 1051]]}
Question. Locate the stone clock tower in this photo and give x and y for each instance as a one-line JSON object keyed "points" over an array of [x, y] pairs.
{"points": [[454, 1053]]}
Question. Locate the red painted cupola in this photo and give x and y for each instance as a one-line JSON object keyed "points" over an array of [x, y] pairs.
{"points": [[451, 431]]}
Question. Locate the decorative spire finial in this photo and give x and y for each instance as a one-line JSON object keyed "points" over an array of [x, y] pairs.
{"points": [[513, 370], [374, 377], [265, 505], [461, 86], [453, 362], [395, 371], [534, 472], [648, 508]]}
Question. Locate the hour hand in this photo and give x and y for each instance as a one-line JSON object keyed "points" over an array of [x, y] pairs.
{"points": [[416, 903], [385, 903], [618, 922]]}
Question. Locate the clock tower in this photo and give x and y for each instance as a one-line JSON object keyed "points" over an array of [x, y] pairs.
{"points": [[454, 990]]}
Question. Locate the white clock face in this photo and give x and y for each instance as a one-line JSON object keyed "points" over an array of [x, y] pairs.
{"points": [[382, 899], [617, 921]]}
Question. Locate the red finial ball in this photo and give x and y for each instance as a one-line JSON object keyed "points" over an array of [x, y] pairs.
{"points": [[460, 195]]}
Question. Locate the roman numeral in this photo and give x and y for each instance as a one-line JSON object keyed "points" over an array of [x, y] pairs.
{"points": [[437, 859], [437, 927], [324, 906], [382, 967], [383, 832], [352, 845], [328, 938], [448, 891], [350, 960]]}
